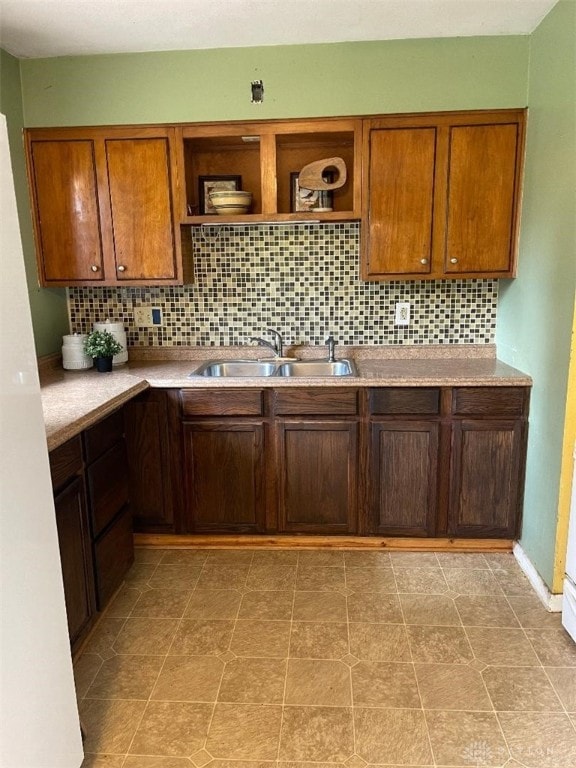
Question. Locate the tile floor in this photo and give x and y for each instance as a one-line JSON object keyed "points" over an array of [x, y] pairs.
{"points": [[268, 659]]}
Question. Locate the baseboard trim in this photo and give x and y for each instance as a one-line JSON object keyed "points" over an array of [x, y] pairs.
{"points": [[552, 603], [200, 541]]}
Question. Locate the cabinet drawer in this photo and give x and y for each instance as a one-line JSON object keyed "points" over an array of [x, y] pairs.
{"points": [[113, 556], [334, 402], [65, 461], [102, 436], [230, 402], [489, 401], [107, 487], [405, 400]]}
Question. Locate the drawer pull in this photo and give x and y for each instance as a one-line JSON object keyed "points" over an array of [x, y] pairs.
{"points": [[423, 261], [453, 261], [121, 268], [95, 268]]}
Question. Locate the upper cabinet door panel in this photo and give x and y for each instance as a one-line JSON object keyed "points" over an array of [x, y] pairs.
{"points": [[481, 197], [141, 208], [63, 175], [400, 200]]}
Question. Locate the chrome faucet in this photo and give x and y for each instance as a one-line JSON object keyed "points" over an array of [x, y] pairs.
{"points": [[331, 344], [277, 346]]}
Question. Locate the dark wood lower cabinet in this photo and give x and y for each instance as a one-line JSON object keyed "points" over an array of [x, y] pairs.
{"points": [[403, 479], [317, 466], [224, 470], [487, 478]]}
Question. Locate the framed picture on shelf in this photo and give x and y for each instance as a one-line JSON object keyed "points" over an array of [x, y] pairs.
{"points": [[207, 184], [302, 199]]}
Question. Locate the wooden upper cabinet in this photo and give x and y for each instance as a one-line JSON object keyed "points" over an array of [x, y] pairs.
{"points": [[441, 194], [103, 203], [67, 216]]}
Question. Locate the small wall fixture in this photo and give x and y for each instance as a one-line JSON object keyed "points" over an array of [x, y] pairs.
{"points": [[257, 87]]}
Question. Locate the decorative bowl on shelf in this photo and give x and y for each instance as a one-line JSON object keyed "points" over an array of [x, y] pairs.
{"points": [[229, 202]]}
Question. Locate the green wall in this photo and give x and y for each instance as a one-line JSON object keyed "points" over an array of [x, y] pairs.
{"points": [[305, 80], [49, 309], [535, 311]]}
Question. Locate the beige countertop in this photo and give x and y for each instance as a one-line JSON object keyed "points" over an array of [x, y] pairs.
{"points": [[74, 400]]}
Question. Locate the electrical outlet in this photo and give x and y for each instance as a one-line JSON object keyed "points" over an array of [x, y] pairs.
{"points": [[402, 314], [147, 317]]}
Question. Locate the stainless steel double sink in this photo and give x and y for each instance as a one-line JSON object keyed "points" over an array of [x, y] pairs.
{"points": [[283, 368]]}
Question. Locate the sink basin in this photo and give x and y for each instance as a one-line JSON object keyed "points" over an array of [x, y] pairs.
{"points": [[317, 368], [238, 368]]}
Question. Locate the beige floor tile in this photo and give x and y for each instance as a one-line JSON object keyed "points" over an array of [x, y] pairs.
{"points": [[371, 579], [121, 606], [317, 734], [316, 682], [540, 740], [520, 689], [275, 557], [102, 638], [271, 577], [442, 645], [385, 684], [180, 576], [223, 576], [485, 611], [318, 640], [254, 681], [465, 581], [320, 558], [392, 735], [379, 642], [414, 560], [312, 578], [126, 677], [205, 637], [172, 729], [564, 681], [157, 762], [162, 603], [466, 738], [374, 607], [261, 638], [146, 636], [501, 646], [245, 732], [319, 606], [474, 560], [247, 764], [86, 668], [531, 613], [230, 557], [213, 604], [110, 725], [150, 556], [104, 761], [139, 574], [452, 686], [501, 561], [423, 581], [362, 559], [513, 582], [554, 647], [189, 556], [429, 609], [189, 678], [267, 605]]}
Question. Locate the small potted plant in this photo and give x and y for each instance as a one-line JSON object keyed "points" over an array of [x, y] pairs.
{"points": [[102, 346]]}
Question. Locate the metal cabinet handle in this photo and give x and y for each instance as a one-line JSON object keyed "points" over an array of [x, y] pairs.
{"points": [[423, 261], [121, 268], [95, 268], [453, 261]]}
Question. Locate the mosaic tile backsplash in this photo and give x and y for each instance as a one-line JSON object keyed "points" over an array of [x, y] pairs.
{"points": [[302, 280]]}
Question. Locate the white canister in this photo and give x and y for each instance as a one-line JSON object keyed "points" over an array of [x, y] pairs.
{"points": [[117, 330], [73, 357]]}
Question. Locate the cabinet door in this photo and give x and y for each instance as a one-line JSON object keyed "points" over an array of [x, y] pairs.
{"points": [[400, 201], [148, 445], [486, 478], [66, 211], [75, 557], [139, 178], [317, 467], [482, 184], [225, 476], [403, 483]]}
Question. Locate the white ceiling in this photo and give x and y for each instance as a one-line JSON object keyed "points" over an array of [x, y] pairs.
{"points": [[38, 28]]}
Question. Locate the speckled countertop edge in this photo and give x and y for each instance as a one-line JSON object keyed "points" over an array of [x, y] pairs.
{"points": [[75, 400]]}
